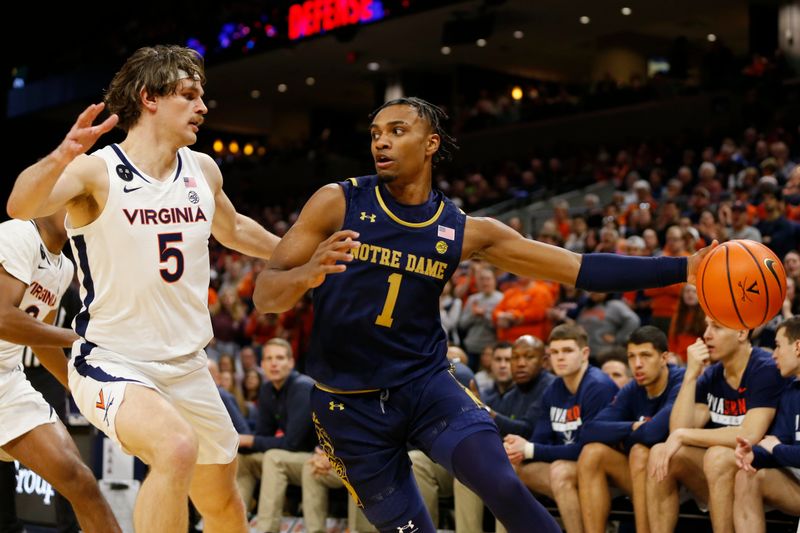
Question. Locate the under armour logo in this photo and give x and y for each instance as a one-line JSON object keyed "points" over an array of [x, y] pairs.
{"points": [[410, 528], [365, 216], [333, 406]]}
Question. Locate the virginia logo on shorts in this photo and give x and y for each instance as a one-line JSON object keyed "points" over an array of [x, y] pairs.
{"points": [[103, 405]]}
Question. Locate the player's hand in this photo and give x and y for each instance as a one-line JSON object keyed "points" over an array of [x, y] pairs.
{"points": [[83, 134], [769, 442], [515, 448], [694, 260], [697, 358], [330, 255], [661, 456], [744, 454]]}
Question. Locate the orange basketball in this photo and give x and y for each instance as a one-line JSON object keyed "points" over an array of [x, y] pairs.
{"points": [[741, 284]]}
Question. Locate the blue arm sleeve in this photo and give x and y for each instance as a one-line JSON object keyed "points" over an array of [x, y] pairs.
{"points": [[763, 459], [619, 273], [656, 429], [510, 426], [787, 455], [547, 453], [613, 423]]}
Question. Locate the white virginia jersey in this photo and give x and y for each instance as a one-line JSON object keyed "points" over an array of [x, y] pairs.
{"points": [[144, 264], [24, 256]]}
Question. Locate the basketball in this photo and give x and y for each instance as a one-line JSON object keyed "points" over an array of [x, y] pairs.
{"points": [[741, 284]]}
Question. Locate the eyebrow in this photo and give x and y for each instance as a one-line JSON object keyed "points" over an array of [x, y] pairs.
{"points": [[392, 123]]}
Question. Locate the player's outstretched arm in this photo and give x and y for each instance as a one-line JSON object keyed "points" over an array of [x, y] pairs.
{"points": [[234, 230], [500, 245], [18, 327], [60, 177], [313, 248]]}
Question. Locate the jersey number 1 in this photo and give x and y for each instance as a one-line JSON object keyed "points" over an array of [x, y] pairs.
{"points": [[385, 318], [165, 253]]}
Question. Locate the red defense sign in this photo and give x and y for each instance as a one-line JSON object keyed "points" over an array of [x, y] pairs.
{"points": [[316, 16]]}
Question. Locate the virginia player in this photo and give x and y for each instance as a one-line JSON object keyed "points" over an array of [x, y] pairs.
{"points": [[140, 216], [735, 396], [34, 275], [378, 348]]}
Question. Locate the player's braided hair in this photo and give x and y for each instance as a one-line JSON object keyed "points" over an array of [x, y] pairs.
{"points": [[435, 116]]}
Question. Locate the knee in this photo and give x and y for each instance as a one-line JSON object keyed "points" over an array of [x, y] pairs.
{"points": [[747, 483], [718, 461], [180, 457], [592, 456], [637, 459], [79, 482], [563, 476], [272, 462]]}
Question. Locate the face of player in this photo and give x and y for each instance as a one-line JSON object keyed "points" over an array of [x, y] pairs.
{"points": [[402, 143], [501, 365], [526, 362], [617, 371], [566, 357], [183, 111], [646, 363], [786, 354], [277, 364], [722, 342]]}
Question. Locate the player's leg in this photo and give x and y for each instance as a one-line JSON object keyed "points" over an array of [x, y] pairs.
{"points": [[279, 469], [213, 488], [365, 442], [774, 486], [49, 451], [719, 466], [214, 493], [148, 426], [536, 476], [564, 482], [599, 465], [637, 461], [686, 466], [480, 462]]}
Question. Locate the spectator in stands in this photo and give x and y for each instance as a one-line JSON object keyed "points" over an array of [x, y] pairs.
{"points": [[664, 300], [476, 316], [483, 377], [523, 310], [515, 413], [777, 232], [450, 311], [618, 440], [501, 372], [688, 323], [576, 240], [251, 390], [607, 321], [739, 227], [735, 396], [227, 320], [284, 436], [573, 399], [231, 405], [613, 362], [770, 468]]}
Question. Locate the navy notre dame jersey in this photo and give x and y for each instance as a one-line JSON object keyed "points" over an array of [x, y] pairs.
{"points": [[377, 324]]}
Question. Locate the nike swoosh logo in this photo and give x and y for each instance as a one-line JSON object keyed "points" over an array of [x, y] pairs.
{"points": [[770, 264], [42, 267], [126, 189]]}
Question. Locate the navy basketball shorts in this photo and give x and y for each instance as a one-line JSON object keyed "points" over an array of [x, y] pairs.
{"points": [[366, 435]]}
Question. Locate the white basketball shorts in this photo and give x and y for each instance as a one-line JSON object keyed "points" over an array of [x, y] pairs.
{"points": [[98, 379]]}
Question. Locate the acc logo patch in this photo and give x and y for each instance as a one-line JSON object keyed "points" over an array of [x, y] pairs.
{"points": [[194, 197], [124, 173], [441, 247]]}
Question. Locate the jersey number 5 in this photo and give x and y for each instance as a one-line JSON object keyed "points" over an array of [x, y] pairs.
{"points": [[166, 253], [385, 318]]}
